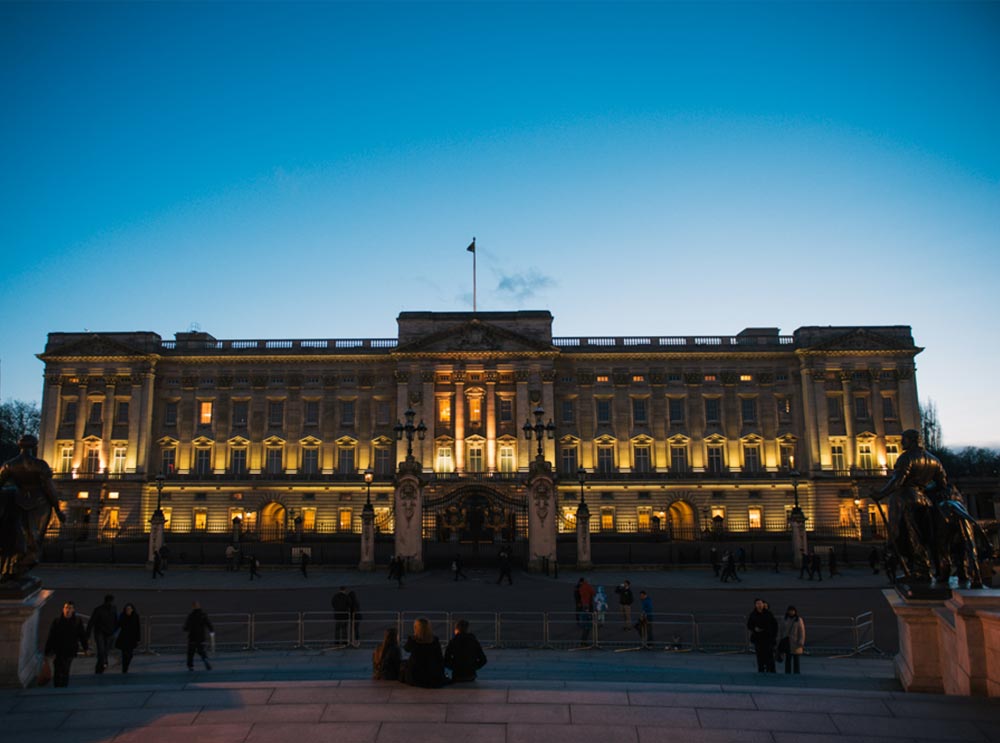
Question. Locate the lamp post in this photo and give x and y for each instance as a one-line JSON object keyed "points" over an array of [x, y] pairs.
{"points": [[857, 505], [540, 430], [408, 430], [368, 527], [369, 476], [797, 519], [158, 520]]}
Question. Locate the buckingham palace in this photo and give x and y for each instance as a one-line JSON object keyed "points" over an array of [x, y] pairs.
{"points": [[484, 425]]}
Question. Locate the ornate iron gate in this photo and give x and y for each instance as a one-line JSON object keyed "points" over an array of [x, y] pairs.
{"points": [[475, 522]]}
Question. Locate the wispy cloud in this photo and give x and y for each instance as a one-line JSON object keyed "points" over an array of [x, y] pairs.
{"points": [[524, 285]]}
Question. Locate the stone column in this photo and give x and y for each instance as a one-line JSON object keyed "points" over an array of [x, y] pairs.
{"points": [[543, 504], [459, 421], [409, 515], [51, 410], [20, 660], [810, 415], [156, 523], [583, 561], [851, 453], [402, 403], [909, 407], [491, 421], [367, 562], [428, 404], [549, 405], [797, 520], [522, 409], [80, 426], [108, 422]]}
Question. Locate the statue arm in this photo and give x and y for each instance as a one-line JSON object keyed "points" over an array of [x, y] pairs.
{"points": [[52, 496], [899, 474]]}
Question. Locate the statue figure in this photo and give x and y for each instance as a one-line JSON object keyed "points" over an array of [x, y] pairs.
{"points": [[25, 510]]}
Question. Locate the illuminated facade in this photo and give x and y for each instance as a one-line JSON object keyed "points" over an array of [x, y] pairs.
{"points": [[679, 436]]}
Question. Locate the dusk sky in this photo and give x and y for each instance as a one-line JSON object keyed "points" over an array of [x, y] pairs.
{"points": [[312, 170]]}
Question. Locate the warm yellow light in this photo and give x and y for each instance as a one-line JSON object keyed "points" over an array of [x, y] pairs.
{"points": [[82, 495], [113, 495], [746, 377]]}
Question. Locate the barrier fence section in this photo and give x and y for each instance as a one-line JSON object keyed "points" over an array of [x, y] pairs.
{"points": [[323, 630]]}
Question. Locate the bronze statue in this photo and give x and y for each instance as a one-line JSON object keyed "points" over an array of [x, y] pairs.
{"points": [[25, 510]]}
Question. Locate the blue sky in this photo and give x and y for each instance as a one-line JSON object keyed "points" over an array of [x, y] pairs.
{"points": [[311, 170]]}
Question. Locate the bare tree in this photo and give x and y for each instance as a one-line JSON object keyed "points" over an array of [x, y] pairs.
{"points": [[930, 427], [17, 418]]}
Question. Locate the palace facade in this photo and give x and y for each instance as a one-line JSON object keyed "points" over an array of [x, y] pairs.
{"points": [[677, 435]]}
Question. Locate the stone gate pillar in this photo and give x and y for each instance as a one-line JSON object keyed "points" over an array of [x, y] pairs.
{"points": [[583, 561], [542, 516], [367, 562], [409, 514]]}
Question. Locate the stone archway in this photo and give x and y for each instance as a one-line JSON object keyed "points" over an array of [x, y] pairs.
{"points": [[271, 521], [475, 522], [683, 521]]}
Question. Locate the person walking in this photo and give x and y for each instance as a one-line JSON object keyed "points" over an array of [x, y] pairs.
{"points": [[66, 635], [254, 567], [713, 557], [387, 657], [763, 628], [230, 558], [341, 604], [600, 604], [873, 560], [165, 557], [805, 564], [645, 624], [729, 570], [583, 596], [398, 570], [742, 557], [505, 568], [425, 666], [129, 634], [456, 568], [354, 611], [775, 559], [793, 639], [464, 655], [157, 564], [199, 629], [816, 567], [101, 626], [304, 563], [625, 601]]}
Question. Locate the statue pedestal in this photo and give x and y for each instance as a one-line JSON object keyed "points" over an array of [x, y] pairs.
{"points": [[949, 646], [20, 660], [367, 562]]}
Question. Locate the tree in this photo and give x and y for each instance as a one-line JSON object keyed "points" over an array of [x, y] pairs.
{"points": [[17, 418], [930, 427]]}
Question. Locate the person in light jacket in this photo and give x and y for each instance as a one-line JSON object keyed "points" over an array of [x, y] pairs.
{"points": [[793, 639]]}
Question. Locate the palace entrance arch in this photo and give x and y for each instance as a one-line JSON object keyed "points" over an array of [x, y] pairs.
{"points": [[272, 522], [682, 521], [476, 522]]}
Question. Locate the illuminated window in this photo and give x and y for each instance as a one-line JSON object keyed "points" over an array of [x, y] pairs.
{"points": [[309, 519], [273, 464], [603, 378], [607, 519], [751, 458], [203, 461], [167, 512], [891, 454], [345, 460], [82, 495], [569, 517], [445, 463], [205, 412], [92, 462], [848, 514], [238, 461], [200, 519], [754, 517], [310, 461], [718, 512], [121, 416], [345, 519], [96, 412], [567, 460], [606, 458], [785, 409], [837, 457], [475, 463], [275, 413], [640, 408], [709, 377], [716, 459], [507, 459], [712, 407], [475, 410], [111, 520], [241, 412], [643, 516], [638, 377], [66, 459], [118, 460], [444, 410], [641, 459], [678, 458], [168, 460], [113, 495], [787, 454], [746, 377], [865, 460]]}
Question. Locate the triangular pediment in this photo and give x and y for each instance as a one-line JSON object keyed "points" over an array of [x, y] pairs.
{"points": [[862, 339], [94, 345], [474, 335]]}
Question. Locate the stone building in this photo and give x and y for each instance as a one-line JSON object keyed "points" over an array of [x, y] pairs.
{"points": [[678, 436]]}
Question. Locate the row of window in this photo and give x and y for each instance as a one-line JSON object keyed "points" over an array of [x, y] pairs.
{"points": [[677, 410], [862, 407], [95, 412]]}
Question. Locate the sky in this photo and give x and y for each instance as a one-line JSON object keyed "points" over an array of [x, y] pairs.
{"points": [[311, 170]]}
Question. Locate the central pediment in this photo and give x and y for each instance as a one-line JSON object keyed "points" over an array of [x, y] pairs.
{"points": [[468, 333]]}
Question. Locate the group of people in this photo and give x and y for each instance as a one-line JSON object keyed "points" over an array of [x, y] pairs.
{"points": [[426, 664], [773, 642], [811, 564], [346, 618]]}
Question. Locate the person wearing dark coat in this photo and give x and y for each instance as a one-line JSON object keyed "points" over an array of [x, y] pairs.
{"points": [[101, 626], [129, 634], [425, 666], [387, 657], [464, 655], [763, 628], [355, 613], [66, 635], [198, 627], [341, 604]]}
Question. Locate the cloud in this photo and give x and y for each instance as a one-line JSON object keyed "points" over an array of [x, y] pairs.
{"points": [[524, 285]]}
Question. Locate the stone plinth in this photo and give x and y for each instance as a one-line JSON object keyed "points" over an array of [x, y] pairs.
{"points": [[949, 646], [409, 516], [19, 656], [542, 516], [367, 561]]}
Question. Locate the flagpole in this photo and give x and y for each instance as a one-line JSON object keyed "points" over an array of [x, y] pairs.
{"points": [[472, 249]]}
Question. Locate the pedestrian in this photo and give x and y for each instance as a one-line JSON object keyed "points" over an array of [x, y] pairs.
{"points": [[456, 568], [763, 628], [600, 604], [230, 558], [157, 564], [425, 665], [464, 655], [400, 570], [66, 635], [873, 560], [625, 601], [793, 640], [805, 565], [392, 568], [341, 603], [775, 559], [304, 563], [102, 626], [199, 629], [645, 623], [129, 634], [713, 557], [387, 657], [254, 567], [742, 557], [504, 568], [165, 557], [354, 610], [817, 567], [583, 596], [729, 568]]}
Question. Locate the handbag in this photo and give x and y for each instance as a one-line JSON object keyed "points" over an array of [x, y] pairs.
{"points": [[44, 673]]}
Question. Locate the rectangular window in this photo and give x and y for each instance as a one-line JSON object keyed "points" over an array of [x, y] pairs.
{"points": [[121, 417], [607, 519], [642, 459], [865, 460], [785, 409], [475, 458], [834, 407], [715, 459], [347, 412], [238, 461], [168, 461], [275, 413], [787, 454], [639, 411], [643, 518], [96, 412], [205, 413], [678, 459], [568, 409], [273, 460], [383, 460], [755, 517], [112, 519], [310, 461], [506, 410], [66, 459], [170, 414], [241, 412], [203, 461], [712, 407], [445, 463], [345, 460], [383, 413], [167, 513], [603, 411], [861, 411], [118, 460], [69, 412], [345, 519], [308, 519], [847, 514], [475, 411], [748, 410], [569, 518], [888, 408], [444, 410], [92, 463], [676, 411], [507, 463], [891, 454], [567, 460], [200, 519], [718, 512], [606, 459], [751, 458], [837, 457]]}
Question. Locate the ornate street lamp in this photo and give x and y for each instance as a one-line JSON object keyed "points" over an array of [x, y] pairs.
{"points": [[159, 492], [796, 511], [540, 430], [581, 475], [408, 430], [369, 476]]}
